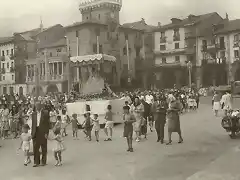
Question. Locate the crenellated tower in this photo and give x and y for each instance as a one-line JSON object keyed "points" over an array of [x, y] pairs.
{"points": [[100, 10]]}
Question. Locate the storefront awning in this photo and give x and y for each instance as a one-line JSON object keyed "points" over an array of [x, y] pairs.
{"points": [[92, 58]]}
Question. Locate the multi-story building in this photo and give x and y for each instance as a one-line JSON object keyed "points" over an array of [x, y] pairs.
{"points": [[7, 76], [144, 55], [100, 32], [49, 67], [227, 38], [177, 44]]}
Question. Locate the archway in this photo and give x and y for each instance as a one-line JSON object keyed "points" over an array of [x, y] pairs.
{"points": [[20, 90], [52, 88]]}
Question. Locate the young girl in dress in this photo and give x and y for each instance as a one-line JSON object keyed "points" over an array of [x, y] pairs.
{"points": [[25, 144], [96, 126], [75, 126], [87, 124], [58, 146]]}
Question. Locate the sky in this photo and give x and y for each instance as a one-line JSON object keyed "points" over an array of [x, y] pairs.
{"points": [[21, 15]]}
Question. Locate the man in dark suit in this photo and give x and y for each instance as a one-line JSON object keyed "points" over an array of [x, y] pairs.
{"points": [[159, 110], [40, 131]]}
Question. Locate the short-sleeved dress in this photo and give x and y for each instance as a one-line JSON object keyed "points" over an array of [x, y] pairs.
{"points": [[58, 144], [26, 139], [138, 114], [96, 125]]}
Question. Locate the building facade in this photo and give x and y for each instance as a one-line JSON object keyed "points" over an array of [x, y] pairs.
{"points": [[48, 70], [7, 66], [177, 49], [100, 32]]}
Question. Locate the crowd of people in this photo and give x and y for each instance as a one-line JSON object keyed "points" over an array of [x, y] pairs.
{"points": [[32, 119]]}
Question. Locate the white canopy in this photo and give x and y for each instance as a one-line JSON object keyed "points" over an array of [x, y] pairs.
{"points": [[91, 58]]}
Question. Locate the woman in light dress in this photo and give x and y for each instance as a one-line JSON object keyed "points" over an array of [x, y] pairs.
{"points": [[29, 117], [216, 103], [5, 121], [137, 109]]}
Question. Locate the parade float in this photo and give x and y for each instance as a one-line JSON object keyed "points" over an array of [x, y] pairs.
{"points": [[92, 76]]}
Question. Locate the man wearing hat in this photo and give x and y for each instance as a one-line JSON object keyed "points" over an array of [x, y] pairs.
{"points": [[40, 131]]}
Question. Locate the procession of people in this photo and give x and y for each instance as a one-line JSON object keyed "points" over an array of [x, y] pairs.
{"points": [[37, 120]]}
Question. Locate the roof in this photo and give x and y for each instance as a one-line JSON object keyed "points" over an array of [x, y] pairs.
{"points": [[33, 32], [26, 37], [4, 40], [229, 26], [60, 42], [186, 21], [99, 23], [139, 25], [45, 30]]}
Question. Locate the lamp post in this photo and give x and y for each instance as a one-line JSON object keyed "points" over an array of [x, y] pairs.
{"points": [[189, 66]]}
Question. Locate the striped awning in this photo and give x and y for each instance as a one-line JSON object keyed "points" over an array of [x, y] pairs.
{"points": [[92, 58]]}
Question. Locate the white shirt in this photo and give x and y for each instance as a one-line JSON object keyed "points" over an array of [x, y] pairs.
{"points": [[149, 99], [38, 118]]}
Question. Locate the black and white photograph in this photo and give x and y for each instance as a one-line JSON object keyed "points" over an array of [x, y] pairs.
{"points": [[119, 90]]}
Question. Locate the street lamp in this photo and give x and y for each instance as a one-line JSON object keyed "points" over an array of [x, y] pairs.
{"points": [[189, 66]]}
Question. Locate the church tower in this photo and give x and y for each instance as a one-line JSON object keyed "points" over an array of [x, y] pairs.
{"points": [[100, 10], [41, 24]]}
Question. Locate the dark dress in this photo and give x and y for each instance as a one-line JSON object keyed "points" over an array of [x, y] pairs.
{"points": [[173, 117], [128, 126]]}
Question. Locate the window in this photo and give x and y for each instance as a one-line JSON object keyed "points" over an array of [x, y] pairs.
{"points": [[50, 54], [204, 42], [76, 33], [124, 51], [222, 54], [95, 48], [3, 53], [177, 59], [59, 50], [176, 45], [11, 51], [236, 38], [7, 65], [126, 36], [164, 60], [236, 53], [3, 65], [12, 77], [162, 35], [100, 49], [99, 16], [7, 52], [108, 35], [162, 47], [3, 78]]}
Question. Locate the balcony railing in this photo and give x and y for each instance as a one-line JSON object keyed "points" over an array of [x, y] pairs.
{"points": [[176, 37], [163, 39]]}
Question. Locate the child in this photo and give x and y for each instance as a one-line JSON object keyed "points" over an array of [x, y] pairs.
{"points": [[87, 126], [25, 144], [58, 147], [109, 123], [96, 126], [128, 119], [75, 126]]}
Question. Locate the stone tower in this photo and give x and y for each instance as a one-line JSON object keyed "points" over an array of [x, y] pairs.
{"points": [[100, 10]]}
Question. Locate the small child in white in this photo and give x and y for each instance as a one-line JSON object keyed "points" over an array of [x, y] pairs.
{"points": [[96, 126], [58, 146], [25, 144]]}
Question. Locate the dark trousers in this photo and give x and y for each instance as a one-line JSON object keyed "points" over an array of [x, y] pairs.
{"points": [[39, 142], [160, 131]]}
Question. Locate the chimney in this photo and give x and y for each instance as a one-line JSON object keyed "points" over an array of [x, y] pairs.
{"points": [[227, 16], [159, 24]]}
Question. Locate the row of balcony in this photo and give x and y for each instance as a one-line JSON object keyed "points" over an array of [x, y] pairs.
{"points": [[4, 58], [176, 37], [217, 46], [43, 78], [3, 70]]}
